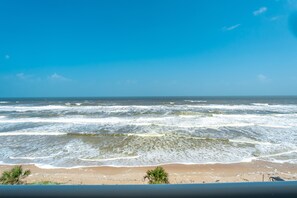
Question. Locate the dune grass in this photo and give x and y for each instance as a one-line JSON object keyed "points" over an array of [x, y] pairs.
{"points": [[157, 176], [14, 176]]}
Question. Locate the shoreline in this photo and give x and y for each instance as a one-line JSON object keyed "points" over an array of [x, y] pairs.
{"points": [[254, 171], [49, 167]]}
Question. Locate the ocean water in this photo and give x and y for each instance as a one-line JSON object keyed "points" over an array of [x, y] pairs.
{"points": [[72, 132]]}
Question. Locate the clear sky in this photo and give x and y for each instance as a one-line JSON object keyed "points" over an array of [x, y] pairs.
{"points": [[99, 48]]}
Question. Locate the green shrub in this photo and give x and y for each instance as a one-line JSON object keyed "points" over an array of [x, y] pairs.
{"points": [[14, 176], [157, 176]]}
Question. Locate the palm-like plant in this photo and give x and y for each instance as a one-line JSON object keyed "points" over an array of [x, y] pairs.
{"points": [[14, 176], [157, 176]]}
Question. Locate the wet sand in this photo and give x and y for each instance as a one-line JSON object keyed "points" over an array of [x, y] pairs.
{"points": [[209, 173]]}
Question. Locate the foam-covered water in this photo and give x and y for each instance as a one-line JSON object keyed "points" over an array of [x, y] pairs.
{"points": [[72, 132]]}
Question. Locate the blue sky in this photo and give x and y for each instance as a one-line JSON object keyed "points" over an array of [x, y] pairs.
{"points": [[56, 48]]}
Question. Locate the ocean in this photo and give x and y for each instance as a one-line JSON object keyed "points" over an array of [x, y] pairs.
{"points": [[79, 132]]}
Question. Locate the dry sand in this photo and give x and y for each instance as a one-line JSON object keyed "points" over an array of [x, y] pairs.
{"points": [[239, 172]]}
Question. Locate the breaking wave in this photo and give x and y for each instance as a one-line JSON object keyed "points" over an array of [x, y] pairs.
{"points": [[123, 132]]}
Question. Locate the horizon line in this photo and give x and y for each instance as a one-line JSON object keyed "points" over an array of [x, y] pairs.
{"points": [[168, 96]]}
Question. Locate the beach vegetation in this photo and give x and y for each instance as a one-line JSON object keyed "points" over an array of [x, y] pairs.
{"points": [[14, 176], [157, 176]]}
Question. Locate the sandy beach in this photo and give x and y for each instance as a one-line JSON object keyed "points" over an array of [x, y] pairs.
{"points": [[239, 172]]}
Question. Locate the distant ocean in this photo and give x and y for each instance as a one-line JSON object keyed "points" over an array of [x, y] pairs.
{"points": [[72, 132]]}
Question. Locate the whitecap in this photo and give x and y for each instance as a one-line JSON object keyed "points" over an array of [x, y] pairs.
{"points": [[260, 104], [196, 101], [30, 108]]}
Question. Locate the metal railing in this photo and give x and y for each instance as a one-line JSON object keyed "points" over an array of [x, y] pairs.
{"points": [[249, 189]]}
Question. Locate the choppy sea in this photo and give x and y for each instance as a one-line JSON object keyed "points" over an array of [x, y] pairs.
{"points": [[72, 132]]}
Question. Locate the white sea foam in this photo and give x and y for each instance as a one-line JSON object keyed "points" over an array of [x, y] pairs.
{"points": [[49, 166], [276, 108], [64, 120], [274, 126], [197, 121], [195, 101], [268, 158], [74, 120], [249, 142], [110, 159], [240, 141], [153, 108], [279, 154], [30, 108], [36, 157], [260, 104], [249, 159], [25, 133], [159, 134], [3, 102]]}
